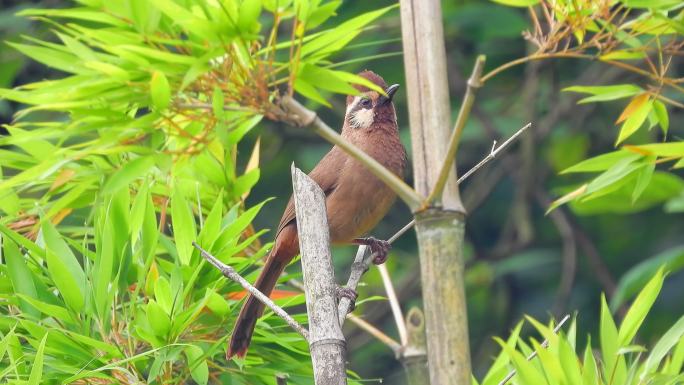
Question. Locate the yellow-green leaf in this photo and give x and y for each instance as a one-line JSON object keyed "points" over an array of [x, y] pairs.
{"points": [[160, 91], [634, 121]]}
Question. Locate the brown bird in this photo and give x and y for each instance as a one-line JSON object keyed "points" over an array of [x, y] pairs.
{"points": [[356, 200]]}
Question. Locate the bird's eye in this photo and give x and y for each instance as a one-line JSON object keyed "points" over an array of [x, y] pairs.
{"points": [[365, 103]]}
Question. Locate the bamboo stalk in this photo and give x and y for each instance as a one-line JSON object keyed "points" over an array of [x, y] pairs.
{"points": [[414, 356], [463, 114], [439, 230], [326, 341]]}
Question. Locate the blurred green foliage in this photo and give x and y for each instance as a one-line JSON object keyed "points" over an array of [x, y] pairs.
{"points": [[521, 260]]}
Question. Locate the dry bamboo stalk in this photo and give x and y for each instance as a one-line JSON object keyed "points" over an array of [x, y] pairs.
{"points": [[326, 341]]}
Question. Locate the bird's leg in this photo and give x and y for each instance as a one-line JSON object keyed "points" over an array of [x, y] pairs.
{"points": [[378, 246], [347, 292]]}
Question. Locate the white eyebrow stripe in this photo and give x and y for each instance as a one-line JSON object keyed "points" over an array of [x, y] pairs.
{"points": [[353, 104]]}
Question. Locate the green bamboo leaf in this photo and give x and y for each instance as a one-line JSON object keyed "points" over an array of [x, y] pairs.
{"points": [[644, 176], [162, 293], [606, 93], [652, 4], [58, 312], [20, 276], [158, 319], [662, 347], [50, 57], [325, 79], [183, 226], [138, 211], [609, 344], [528, 373], [160, 91], [199, 370], [517, 3], [37, 366], [309, 91], [550, 364], [634, 121], [661, 114], [217, 101], [615, 174], [640, 308], [334, 39], [322, 13], [64, 268], [248, 16], [217, 304], [670, 149], [83, 13], [235, 228], [212, 223], [589, 369], [602, 162], [569, 362], [129, 172], [104, 263]]}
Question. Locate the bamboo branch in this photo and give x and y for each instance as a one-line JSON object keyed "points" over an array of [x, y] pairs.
{"points": [[361, 263], [303, 117], [377, 333], [494, 151], [233, 275], [473, 84], [394, 304], [492, 154], [544, 344]]}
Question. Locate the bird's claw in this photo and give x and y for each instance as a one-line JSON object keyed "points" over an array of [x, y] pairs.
{"points": [[379, 247], [349, 293]]}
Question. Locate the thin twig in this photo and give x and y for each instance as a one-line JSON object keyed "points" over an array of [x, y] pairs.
{"points": [[492, 154], [394, 304], [360, 265], [303, 117], [463, 114], [231, 274], [534, 353], [375, 332]]}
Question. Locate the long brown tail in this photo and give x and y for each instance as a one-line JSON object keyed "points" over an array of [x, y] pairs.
{"points": [[253, 308]]}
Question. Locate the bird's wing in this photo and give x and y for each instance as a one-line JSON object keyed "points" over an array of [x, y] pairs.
{"points": [[326, 174]]}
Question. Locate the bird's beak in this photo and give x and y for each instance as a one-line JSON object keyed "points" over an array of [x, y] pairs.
{"points": [[390, 91]]}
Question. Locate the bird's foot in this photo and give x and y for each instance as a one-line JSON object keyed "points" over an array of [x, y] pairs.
{"points": [[378, 247], [349, 293]]}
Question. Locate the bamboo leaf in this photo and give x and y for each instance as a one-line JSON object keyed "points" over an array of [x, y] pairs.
{"points": [[127, 174], [661, 114], [606, 93], [635, 120], [19, 275], [199, 369], [517, 3], [644, 176], [160, 92], [639, 309], [64, 268], [37, 366], [183, 226], [662, 347]]}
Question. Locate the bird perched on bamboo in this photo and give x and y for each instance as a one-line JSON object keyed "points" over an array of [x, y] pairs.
{"points": [[356, 200]]}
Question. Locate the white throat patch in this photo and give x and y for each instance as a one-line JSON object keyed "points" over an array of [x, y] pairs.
{"points": [[360, 118]]}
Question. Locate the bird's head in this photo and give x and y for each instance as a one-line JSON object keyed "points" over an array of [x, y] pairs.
{"points": [[370, 107]]}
